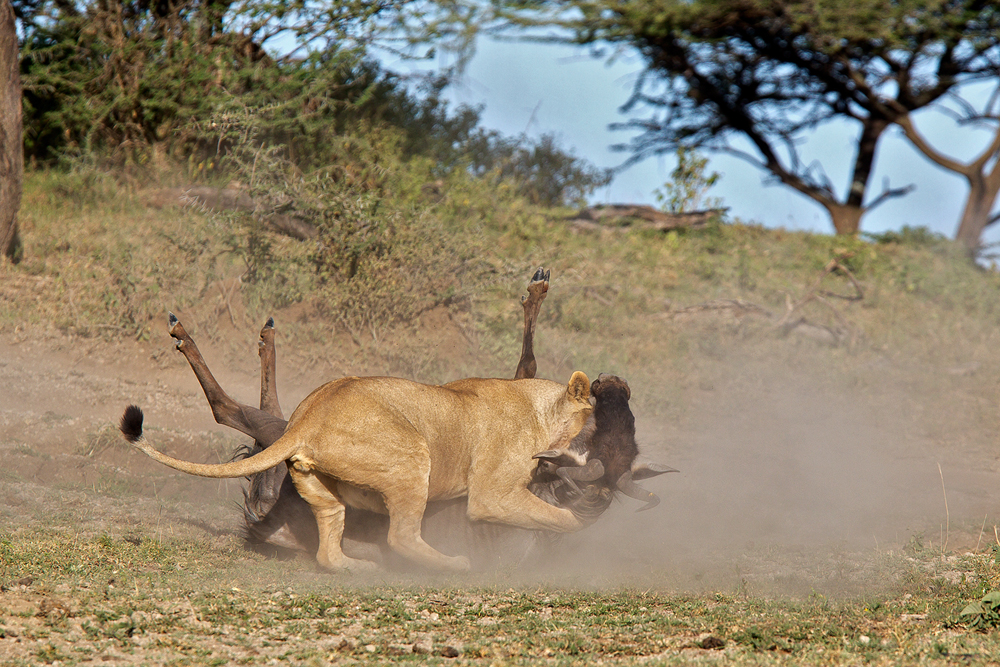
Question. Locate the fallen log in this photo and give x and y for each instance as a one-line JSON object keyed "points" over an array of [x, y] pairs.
{"points": [[622, 217], [231, 199]]}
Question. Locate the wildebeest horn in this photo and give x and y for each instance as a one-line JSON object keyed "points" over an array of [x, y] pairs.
{"points": [[594, 470], [627, 486], [643, 469], [561, 457]]}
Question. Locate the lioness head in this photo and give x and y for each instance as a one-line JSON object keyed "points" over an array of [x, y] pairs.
{"points": [[576, 408], [601, 460]]}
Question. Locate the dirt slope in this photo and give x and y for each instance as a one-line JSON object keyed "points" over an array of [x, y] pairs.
{"points": [[782, 469]]}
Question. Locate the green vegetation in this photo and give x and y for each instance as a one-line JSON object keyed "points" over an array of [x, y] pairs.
{"points": [[164, 601], [984, 613]]}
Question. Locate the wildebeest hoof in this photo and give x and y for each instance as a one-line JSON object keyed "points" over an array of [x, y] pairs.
{"points": [[541, 275], [176, 329]]}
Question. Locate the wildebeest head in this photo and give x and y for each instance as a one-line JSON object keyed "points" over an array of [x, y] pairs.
{"points": [[601, 460]]}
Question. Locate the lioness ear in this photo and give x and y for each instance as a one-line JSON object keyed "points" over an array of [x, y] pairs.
{"points": [[579, 387]]}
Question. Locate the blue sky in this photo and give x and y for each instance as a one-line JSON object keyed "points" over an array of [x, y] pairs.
{"points": [[541, 88]]}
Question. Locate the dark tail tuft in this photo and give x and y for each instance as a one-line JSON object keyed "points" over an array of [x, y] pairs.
{"points": [[131, 423]]}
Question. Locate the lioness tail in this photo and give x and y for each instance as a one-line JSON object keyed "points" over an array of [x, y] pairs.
{"points": [[131, 423]]}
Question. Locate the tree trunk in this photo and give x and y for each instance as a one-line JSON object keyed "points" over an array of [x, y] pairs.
{"points": [[846, 218], [976, 216], [11, 135], [983, 185]]}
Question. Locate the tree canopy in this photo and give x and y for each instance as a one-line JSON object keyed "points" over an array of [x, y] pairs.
{"points": [[129, 81], [771, 71]]}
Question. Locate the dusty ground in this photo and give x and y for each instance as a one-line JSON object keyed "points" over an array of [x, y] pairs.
{"points": [[794, 481], [772, 454]]}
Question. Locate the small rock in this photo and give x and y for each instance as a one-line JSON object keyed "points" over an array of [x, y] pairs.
{"points": [[424, 645], [710, 642], [54, 610], [399, 649], [370, 648], [16, 583], [452, 649], [347, 644], [865, 639]]}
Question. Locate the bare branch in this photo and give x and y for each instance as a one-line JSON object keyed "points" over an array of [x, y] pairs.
{"points": [[889, 193], [906, 123]]}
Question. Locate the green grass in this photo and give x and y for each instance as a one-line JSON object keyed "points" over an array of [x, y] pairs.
{"points": [[171, 601], [100, 263]]}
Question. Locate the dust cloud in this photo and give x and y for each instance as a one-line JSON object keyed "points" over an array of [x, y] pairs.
{"points": [[788, 483]]}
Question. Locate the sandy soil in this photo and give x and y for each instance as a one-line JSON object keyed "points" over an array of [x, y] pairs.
{"points": [[775, 458]]}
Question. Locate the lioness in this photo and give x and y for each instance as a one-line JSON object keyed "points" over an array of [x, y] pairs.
{"points": [[391, 445]]}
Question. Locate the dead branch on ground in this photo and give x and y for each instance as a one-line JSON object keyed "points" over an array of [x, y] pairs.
{"points": [[624, 217], [230, 199], [792, 321]]}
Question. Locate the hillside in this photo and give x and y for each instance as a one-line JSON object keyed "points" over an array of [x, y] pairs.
{"points": [[825, 423], [831, 403]]}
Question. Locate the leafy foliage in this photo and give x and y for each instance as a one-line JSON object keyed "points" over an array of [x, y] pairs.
{"points": [[686, 191], [122, 83], [982, 614], [381, 256]]}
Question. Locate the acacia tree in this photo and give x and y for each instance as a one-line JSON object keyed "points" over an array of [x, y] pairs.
{"points": [[11, 161], [982, 172], [771, 71]]}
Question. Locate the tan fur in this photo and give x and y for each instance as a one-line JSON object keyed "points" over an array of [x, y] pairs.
{"points": [[392, 445]]}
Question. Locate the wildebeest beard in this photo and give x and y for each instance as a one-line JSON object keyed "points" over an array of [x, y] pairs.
{"points": [[606, 444]]}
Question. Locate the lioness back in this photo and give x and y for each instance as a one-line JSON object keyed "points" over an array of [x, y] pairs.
{"points": [[464, 427]]}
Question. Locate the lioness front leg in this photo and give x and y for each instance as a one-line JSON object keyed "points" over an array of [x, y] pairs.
{"points": [[406, 512], [523, 509], [317, 490]]}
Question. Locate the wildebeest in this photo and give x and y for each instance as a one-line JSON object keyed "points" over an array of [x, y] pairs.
{"points": [[582, 478]]}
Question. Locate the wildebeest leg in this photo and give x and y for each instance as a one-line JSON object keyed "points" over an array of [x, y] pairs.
{"points": [[532, 304], [317, 490], [259, 425], [266, 487], [268, 386]]}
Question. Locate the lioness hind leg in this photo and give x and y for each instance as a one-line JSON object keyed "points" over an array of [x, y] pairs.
{"points": [[317, 490], [406, 512]]}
